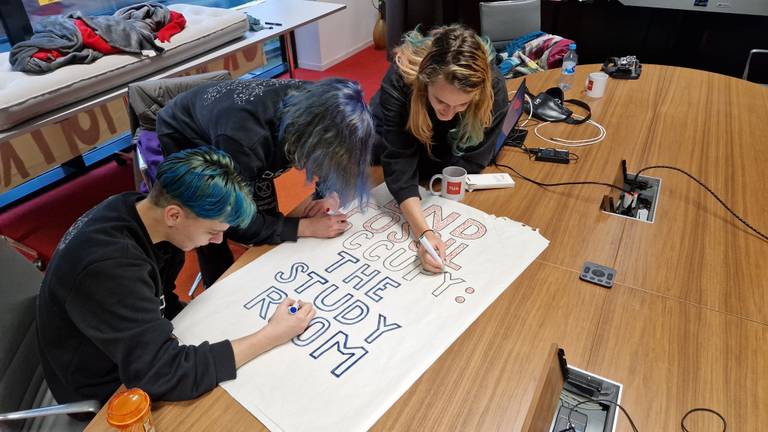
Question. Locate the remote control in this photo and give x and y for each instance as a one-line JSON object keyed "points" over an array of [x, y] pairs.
{"points": [[598, 274]]}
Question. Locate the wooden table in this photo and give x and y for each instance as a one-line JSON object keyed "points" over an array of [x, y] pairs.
{"points": [[686, 324]]}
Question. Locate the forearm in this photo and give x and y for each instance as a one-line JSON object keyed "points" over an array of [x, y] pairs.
{"points": [[411, 209], [249, 347]]}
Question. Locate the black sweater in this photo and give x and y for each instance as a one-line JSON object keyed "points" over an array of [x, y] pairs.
{"points": [[405, 159], [104, 309], [239, 117]]}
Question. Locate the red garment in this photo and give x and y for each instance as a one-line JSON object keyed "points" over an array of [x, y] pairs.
{"points": [[46, 55], [94, 41], [175, 25]]}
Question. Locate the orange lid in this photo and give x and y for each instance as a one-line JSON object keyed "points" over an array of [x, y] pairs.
{"points": [[127, 407]]}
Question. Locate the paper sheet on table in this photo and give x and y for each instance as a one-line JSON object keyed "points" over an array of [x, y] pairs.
{"points": [[381, 320]]}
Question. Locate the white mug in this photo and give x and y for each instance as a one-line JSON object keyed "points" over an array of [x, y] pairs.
{"points": [[454, 181], [596, 84]]}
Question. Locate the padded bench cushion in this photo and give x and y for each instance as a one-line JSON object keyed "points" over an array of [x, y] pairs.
{"points": [[24, 96]]}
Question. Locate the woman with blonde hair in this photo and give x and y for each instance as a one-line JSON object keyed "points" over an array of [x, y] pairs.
{"points": [[441, 103]]}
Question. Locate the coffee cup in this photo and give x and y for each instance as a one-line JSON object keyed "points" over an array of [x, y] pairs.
{"points": [[454, 182], [596, 84]]}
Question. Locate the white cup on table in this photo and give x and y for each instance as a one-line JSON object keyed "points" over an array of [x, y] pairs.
{"points": [[454, 182], [596, 84]]}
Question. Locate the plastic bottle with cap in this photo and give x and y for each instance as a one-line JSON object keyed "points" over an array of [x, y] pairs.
{"points": [[130, 411], [569, 68]]}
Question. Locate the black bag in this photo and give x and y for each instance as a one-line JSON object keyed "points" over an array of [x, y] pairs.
{"points": [[549, 106]]}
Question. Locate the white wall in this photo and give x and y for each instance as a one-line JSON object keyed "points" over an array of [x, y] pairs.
{"points": [[332, 39]]}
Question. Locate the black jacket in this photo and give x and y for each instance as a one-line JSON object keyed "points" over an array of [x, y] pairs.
{"points": [[404, 158], [104, 308], [239, 117]]}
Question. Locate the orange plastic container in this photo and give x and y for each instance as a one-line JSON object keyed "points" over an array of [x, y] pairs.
{"points": [[130, 411]]}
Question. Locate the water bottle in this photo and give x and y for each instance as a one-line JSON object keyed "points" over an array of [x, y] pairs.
{"points": [[569, 68]]}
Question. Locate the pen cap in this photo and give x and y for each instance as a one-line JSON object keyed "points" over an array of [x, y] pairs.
{"points": [[130, 411]]}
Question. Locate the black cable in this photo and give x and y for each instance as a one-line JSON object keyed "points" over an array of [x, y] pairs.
{"points": [[631, 422], [538, 183], [755, 230], [682, 421]]}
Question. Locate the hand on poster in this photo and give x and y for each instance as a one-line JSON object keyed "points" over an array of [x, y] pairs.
{"points": [[323, 226], [283, 325], [280, 328], [327, 205], [427, 260]]}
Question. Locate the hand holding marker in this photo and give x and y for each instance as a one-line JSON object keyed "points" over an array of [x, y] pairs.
{"points": [[294, 308], [428, 246]]}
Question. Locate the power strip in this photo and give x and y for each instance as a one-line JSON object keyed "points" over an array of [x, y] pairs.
{"points": [[489, 181]]}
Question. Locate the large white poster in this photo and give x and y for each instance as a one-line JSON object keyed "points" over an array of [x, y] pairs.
{"points": [[381, 320]]}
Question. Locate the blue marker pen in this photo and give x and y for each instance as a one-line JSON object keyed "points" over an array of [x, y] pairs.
{"points": [[294, 308]]}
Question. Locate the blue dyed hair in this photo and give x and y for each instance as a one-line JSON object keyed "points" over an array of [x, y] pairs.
{"points": [[328, 131], [204, 180]]}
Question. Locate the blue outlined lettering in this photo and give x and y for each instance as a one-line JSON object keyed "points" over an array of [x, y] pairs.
{"points": [[296, 268], [384, 283], [339, 341], [345, 257], [270, 296], [362, 277], [353, 314], [314, 279], [321, 304], [381, 328], [307, 338]]}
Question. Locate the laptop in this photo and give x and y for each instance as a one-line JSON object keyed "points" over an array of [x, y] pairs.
{"points": [[515, 110]]}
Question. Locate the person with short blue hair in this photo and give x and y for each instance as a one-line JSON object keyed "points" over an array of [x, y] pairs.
{"points": [[105, 305], [269, 126]]}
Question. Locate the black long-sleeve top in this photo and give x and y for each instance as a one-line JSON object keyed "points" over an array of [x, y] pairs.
{"points": [[103, 314], [405, 159], [239, 117]]}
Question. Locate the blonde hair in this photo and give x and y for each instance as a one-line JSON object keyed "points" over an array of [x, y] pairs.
{"points": [[460, 57]]}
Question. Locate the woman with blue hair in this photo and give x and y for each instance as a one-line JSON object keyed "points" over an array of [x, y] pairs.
{"points": [[105, 305], [269, 126]]}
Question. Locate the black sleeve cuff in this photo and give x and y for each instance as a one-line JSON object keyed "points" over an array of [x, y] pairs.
{"points": [[223, 360], [405, 193], [290, 231]]}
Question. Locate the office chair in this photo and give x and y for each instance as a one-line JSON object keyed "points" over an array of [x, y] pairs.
{"points": [[22, 386], [503, 21], [749, 61]]}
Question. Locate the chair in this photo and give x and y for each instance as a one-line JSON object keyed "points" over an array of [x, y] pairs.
{"points": [[22, 386], [502, 21], [749, 60], [145, 100]]}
